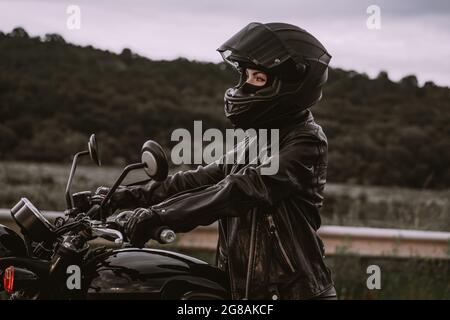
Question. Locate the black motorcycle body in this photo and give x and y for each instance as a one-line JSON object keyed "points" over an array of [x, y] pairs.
{"points": [[125, 273], [158, 274], [59, 261]]}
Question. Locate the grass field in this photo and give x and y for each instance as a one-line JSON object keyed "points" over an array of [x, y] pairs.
{"points": [[400, 278], [44, 185]]}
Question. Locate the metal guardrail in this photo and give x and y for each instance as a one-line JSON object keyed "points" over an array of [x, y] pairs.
{"points": [[337, 239], [375, 242]]}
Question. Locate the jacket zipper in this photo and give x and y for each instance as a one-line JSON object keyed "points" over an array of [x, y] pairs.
{"points": [[274, 232], [230, 268], [251, 255]]}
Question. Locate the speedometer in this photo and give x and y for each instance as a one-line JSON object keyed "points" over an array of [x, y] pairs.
{"points": [[31, 221]]}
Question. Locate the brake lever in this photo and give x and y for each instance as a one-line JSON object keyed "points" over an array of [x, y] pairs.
{"points": [[122, 218], [108, 234]]}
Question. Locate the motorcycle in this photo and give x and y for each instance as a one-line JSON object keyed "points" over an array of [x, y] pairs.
{"points": [[58, 261]]}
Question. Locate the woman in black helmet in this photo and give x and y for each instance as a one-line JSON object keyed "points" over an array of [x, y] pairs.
{"points": [[297, 62], [268, 241]]}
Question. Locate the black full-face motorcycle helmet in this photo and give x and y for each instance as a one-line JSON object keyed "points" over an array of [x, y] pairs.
{"points": [[296, 64]]}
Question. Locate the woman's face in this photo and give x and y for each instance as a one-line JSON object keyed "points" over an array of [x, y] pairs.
{"points": [[256, 77]]}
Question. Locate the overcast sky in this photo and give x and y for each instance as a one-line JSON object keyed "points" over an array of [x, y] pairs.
{"points": [[414, 37]]}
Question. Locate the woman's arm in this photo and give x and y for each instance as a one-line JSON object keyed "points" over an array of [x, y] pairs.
{"points": [[246, 189], [155, 192]]}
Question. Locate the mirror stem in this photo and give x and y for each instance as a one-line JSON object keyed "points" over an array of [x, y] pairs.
{"points": [[119, 180], [69, 199]]}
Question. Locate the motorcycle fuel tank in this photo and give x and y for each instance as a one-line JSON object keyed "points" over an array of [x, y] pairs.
{"points": [[134, 273]]}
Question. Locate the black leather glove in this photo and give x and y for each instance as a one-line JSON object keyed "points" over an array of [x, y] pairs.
{"points": [[142, 226], [99, 194], [95, 211], [123, 198]]}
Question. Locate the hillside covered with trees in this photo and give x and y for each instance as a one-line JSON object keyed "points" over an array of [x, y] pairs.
{"points": [[53, 95]]}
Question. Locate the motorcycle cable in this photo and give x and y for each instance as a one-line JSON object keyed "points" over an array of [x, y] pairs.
{"points": [[69, 226]]}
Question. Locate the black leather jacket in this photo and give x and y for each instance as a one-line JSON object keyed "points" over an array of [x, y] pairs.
{"points": [[287, 253]]}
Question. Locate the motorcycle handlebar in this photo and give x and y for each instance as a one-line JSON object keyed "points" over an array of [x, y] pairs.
{"points": [[163, 235], [166, 235]]}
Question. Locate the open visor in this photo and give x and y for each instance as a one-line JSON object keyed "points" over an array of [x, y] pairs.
{"points": [[255, 44]]}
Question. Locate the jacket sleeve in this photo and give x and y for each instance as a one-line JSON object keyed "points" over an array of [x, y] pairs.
{"points": [[239, 192], [155, 192]]}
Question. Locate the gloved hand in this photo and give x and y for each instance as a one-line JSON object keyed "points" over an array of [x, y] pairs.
{"points": [[99, 194], [123, 197], [96, 212], [142, 225]]}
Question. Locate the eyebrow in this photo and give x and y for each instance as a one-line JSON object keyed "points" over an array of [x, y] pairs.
{"points": [[255, 73]]}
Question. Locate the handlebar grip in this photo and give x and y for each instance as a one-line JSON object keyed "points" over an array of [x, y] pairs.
{"points": [[166, 236]]}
